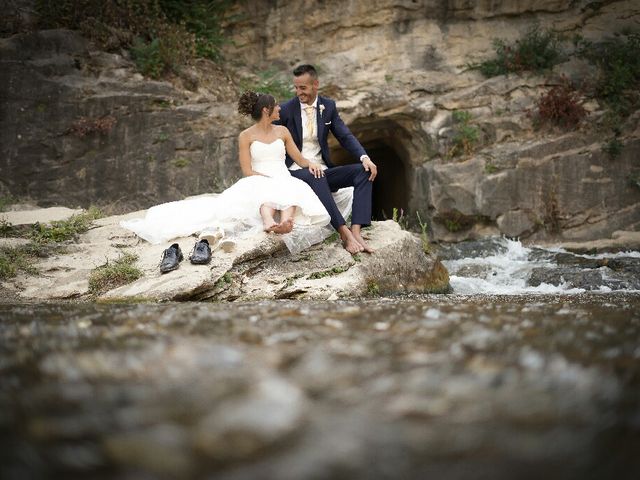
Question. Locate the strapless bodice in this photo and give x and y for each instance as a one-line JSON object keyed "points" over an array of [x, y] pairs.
{"points": [[268, 158]]}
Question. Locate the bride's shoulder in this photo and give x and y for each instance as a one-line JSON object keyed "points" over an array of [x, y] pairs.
{"points": [[246, 135], [282, 131]]}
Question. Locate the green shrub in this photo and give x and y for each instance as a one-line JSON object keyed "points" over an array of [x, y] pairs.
{"points": [[203, 18], [269, 81], [466, 135], [147, 57], [111, 24], [613, 148], [114, 274], [536, 51], [163, 35], [618, 59]]}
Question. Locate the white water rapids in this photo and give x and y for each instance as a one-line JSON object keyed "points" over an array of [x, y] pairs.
{"points": [[504, 267]]}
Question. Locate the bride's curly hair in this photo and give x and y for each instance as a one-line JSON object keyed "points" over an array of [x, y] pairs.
{"points": [[252, 103]]}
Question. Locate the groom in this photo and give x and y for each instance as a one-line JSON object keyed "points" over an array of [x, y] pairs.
{"points": [[309, 118]]}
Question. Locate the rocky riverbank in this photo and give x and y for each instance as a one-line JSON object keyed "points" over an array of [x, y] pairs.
{"points": [[257, 268]]}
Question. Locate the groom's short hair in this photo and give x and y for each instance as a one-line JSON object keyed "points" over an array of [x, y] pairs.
{"points": [[306, 68]]}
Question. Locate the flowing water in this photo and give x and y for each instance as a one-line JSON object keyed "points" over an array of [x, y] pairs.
{"points": [[506, 267], [499, 380]]}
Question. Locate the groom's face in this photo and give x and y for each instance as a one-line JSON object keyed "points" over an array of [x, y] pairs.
{"points": [[306, 88]]}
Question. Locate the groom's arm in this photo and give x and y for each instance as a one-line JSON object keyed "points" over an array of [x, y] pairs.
{"points": [[344, 136]]}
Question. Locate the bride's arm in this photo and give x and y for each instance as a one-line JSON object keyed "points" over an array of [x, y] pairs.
{"points": [[245, 155], [296, 156]]}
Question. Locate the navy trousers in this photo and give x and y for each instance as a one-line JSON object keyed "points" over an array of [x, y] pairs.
{"points": [[352, 175]]}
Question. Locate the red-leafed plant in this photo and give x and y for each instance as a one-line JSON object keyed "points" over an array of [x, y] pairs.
{"points": [[560, 106], [84, 126]]}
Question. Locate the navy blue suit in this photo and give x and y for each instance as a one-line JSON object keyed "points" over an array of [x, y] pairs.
{"points": [[352, 175]]}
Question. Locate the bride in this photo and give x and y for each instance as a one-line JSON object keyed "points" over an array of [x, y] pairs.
{"points": [[267, 198]]}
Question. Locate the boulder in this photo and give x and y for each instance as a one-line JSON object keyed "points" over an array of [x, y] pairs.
{"points": [[259, 267]]}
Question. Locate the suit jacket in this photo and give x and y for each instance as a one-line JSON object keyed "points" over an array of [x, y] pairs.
{"points": [[329, 120]]}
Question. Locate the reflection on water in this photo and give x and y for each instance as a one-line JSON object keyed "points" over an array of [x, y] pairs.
{"points": [[454, 386]]}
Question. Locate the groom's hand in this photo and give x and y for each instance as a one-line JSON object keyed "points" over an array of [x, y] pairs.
{"points": [[316, 170], [371, 167]]}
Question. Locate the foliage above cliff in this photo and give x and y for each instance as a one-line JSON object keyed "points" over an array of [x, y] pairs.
{"points": [[536, 51], [618, 59], [163, 35]]}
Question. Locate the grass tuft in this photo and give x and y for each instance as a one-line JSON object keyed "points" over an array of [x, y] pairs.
{"points": [[63, 230], [114, 274], [14, 260]]}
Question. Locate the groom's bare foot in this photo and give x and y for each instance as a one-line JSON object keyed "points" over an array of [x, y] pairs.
{"points": [[349, 242], [355, 230]]}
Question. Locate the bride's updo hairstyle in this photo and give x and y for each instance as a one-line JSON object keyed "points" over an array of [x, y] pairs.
{"points": [[252, 103]]}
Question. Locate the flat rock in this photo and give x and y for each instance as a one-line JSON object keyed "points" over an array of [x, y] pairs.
{"points": [[259, 267], [620, 241], [39, 215]]}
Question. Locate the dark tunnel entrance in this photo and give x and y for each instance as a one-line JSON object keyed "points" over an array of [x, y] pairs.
{"points": [[390, 187], [384, 144]]}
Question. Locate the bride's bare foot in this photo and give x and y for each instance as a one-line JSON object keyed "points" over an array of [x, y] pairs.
{"points": [[284, 227], [270, 226], [268, 222], [355, 230], [349, 242]]}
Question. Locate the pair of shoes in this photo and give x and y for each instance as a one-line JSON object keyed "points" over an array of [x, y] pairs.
{"points": [[201, 253], [171, 258]]}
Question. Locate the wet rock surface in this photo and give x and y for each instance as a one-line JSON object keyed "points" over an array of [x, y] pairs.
{"points": [[414, 387], [487, 265]]}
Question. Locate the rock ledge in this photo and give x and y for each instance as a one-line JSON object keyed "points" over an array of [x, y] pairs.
{"points": [[258, 268]]}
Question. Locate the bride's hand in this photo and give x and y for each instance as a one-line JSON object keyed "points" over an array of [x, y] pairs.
{"points": [[316, 170]]}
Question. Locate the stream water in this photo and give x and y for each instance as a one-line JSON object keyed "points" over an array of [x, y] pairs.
{"points": [[500, 380]]}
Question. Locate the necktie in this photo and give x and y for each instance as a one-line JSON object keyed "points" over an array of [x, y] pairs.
{"points": [[311, 120]]}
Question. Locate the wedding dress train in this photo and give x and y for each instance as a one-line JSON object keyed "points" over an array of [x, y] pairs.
{"points": [[237, 209]]}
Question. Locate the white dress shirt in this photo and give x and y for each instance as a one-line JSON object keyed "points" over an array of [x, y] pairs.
{"points": [[310, 145]]}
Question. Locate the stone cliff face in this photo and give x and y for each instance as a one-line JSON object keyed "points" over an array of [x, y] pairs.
{"points": [[80, 127], [401, 68], [397, 69]]}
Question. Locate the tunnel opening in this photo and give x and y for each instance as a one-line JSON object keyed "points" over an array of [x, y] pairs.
{"points": [[385, 142], [390, 190]]}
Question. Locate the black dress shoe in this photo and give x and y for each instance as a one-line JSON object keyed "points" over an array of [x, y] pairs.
{"points": [[201, 253], [171, 258]]}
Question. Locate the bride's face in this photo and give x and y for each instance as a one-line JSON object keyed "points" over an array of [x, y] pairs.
{"points": [[275, 114]]}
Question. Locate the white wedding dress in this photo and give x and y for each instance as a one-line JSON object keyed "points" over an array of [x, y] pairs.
{"points": [[237, 209]]}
